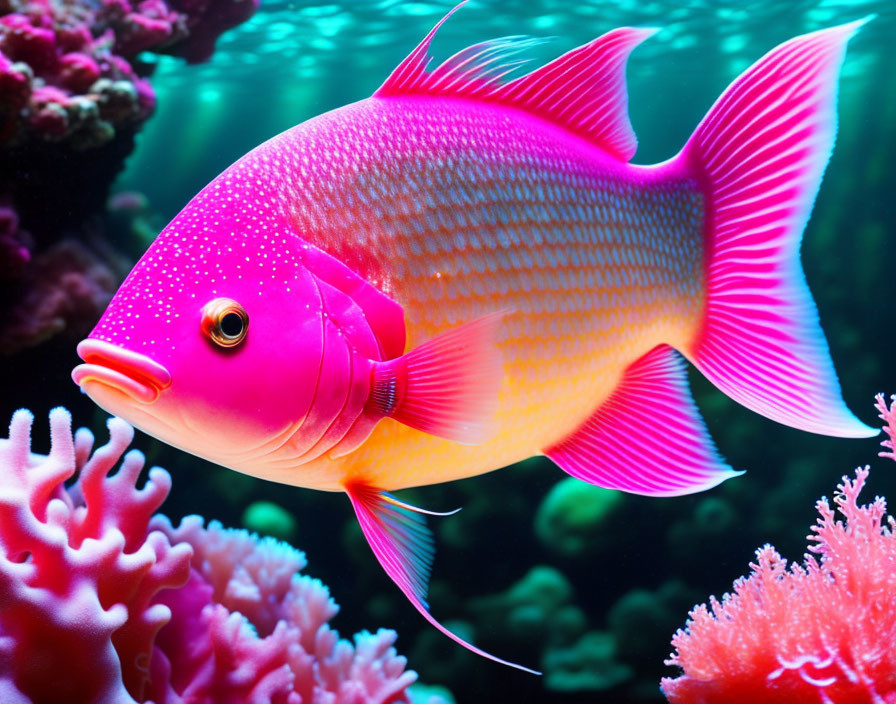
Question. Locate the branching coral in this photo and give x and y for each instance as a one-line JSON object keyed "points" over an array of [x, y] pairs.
{"points": [[247, 619], [820, 632], [78, 569], [100, 603]]}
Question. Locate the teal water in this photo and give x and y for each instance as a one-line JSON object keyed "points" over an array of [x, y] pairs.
{"points": [[295, 60], [599, 613]]}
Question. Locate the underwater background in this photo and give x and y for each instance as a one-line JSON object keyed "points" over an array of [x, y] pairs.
{"points": [[586, 584]]}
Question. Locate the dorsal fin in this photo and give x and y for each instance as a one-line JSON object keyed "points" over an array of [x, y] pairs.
{"points": [[582, 91]]}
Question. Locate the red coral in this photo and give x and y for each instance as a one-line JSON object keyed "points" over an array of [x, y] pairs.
{"points": [[888, 415], [821, 632]]}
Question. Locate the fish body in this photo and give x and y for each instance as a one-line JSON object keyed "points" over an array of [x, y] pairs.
{"points": [[461, 272], [455, 212], [460, 211]]}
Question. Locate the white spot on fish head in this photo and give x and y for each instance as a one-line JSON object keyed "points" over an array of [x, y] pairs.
{"points": [[221, 400]]}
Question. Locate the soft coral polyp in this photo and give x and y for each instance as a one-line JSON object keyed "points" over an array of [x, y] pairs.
{"points": [[818, 633]]}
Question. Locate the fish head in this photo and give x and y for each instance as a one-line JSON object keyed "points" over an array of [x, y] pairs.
{"points": [[212, 344]]}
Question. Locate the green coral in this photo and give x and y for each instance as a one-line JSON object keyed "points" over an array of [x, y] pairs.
{"points": [[268, 518], [570, 519], [429, 694], [588, 664], [536, 609]]}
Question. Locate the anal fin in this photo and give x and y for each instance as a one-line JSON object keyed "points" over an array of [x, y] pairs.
{"points": [[398, 535], [647, 437]]}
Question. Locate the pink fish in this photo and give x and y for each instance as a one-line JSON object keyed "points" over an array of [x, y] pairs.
{"points": [[464, 270]]}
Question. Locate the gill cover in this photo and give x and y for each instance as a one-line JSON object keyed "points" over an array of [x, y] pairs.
{"points": [[448, 386]]}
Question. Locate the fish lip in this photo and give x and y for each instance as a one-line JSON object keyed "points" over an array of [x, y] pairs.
{"points": [[133, 373]]}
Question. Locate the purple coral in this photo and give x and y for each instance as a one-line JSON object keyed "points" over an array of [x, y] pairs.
{"points": [[73, 94], [14, 253], [65, 286], [126, 608]]}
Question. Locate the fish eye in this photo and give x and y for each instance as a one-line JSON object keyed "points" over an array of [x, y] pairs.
{"points": [[225, 322]]}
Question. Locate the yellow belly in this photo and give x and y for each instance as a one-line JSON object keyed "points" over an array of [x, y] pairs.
{"points": [[550, 387], [558, 369], [595, 262]]}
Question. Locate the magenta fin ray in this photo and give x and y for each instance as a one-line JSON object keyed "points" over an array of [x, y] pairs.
{"points": [[647, 437], [582, 91], [449, 386], [403, 545]]}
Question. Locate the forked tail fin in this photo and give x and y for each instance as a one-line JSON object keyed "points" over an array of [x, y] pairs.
{"points": [[759, 155]]}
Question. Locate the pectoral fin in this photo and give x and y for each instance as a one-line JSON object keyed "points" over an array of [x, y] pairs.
{"points": [[448, 386], [402, 543]]}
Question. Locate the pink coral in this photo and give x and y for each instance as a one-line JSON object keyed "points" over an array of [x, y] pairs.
{"points": [[246, 618], [78, 568], [71, 45], [54, 76], [123, 608], [888, 415], [820, 632]]}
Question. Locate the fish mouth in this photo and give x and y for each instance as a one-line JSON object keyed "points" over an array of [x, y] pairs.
{"points": [[132, 373]]}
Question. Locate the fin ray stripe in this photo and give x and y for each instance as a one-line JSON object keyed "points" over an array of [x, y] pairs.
{"points": [[582, 91]]}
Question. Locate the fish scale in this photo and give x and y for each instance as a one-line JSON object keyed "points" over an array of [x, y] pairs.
{"points": [[540, 203]]}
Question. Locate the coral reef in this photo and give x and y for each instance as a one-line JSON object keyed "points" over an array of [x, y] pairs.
{"points": [[124, 607], [73, 94], [78, 568], [817, 632], [64, 286], [69, 70], [263, 628], [295, 63]]}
